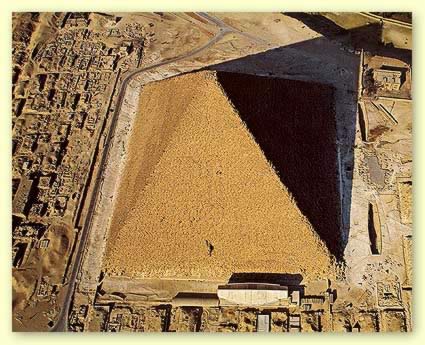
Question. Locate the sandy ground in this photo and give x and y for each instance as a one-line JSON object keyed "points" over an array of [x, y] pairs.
{"points": [[44, 265], [198, 197]]}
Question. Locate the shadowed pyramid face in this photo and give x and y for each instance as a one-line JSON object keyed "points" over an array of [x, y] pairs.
{"points": [[294, 124], [199, 197]]}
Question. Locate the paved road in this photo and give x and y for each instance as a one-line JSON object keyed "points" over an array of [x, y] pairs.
{"points": [[228, 28], [224, 29]]}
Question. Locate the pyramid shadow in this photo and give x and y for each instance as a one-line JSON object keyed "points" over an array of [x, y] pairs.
{"points": [[367, 37], [304, 151], [309, 172]]}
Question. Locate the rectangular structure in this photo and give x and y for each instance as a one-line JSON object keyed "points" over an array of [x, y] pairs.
{"points": [[263, 323], [252, 294]]}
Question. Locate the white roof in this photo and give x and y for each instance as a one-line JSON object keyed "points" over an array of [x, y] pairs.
{"points": [[251, 297]]}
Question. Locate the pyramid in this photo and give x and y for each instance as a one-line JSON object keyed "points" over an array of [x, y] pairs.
{"points": [[199, 198]]}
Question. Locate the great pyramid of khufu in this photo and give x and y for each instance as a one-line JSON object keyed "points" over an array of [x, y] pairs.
{"points": [[228, 173]]}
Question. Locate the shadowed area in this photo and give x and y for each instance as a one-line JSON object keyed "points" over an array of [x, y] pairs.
{"points": [[294, 124], [317, 61], [267, 278], [368, 37]]}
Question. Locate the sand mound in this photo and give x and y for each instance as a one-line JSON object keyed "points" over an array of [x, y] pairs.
{"points": [[198, 197]]}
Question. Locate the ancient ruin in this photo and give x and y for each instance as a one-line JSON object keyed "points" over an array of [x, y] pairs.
{"points": [[196, 172]]}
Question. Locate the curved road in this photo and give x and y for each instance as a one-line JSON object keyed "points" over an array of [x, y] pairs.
{"points": [[224, 29]]}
